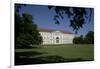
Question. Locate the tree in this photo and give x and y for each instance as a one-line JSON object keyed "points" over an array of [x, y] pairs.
{"points": [[26, 32], [75, 14], [89, 38], [78, 40]]}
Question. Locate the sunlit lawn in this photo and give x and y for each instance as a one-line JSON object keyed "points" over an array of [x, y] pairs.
{"points": [[55, 53]]}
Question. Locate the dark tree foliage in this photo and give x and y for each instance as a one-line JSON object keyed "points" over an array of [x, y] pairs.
{"points": [[75, 14], [87, 39], [18, 7], [78, 40], [26, 33]]}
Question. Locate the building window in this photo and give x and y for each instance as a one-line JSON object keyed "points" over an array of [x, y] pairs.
{"points": [[57, 39]]}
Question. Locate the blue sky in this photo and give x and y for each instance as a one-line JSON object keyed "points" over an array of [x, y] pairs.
{"points": [[43, 17]]}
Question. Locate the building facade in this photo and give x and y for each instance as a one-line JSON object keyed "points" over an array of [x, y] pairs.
{"points": [[56, 36]]}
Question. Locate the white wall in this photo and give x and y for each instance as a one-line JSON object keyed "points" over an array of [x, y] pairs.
{"points": [[68, 38], [50, 37]]}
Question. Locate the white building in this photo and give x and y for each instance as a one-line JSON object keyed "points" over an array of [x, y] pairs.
{"points": [[56, 36]]}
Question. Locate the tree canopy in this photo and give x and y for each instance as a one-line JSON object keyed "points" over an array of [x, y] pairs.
{"points": [[26, 32], [75, 14], [87, 39]]}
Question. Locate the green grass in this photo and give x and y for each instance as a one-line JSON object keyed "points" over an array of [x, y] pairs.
{"points": [[65, 52]]}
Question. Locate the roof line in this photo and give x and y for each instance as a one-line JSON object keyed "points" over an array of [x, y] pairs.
{"points": [[51, 30]]}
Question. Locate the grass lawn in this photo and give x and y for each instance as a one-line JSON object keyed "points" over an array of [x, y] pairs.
{"points": [[54, 54]]}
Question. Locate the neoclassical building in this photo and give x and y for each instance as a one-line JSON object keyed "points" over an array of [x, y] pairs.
{"points": [[56, 36]]}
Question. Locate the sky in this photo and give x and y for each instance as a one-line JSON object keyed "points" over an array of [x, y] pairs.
{"points": [[43, 17]]}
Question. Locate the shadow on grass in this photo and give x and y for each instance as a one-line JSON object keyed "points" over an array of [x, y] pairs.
{"points": [[24, 58], [27, 47]]}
